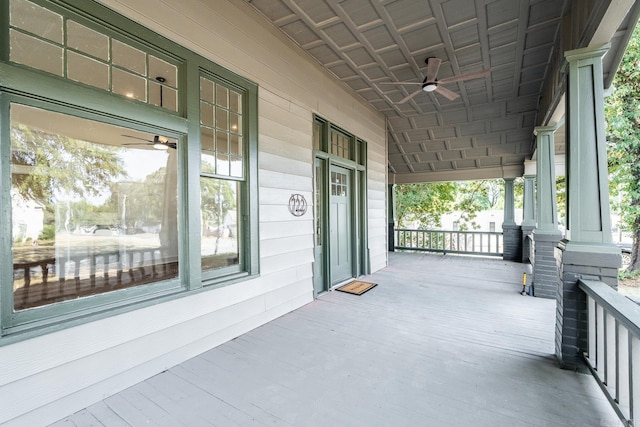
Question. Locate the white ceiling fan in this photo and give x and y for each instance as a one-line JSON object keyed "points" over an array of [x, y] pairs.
{"points": [[432, 84]]}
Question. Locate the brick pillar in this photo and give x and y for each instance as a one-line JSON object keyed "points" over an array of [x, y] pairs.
{"points": [[511, 232]]}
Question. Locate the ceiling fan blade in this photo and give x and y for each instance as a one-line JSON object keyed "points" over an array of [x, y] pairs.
{"points": [[433, 65], [449, 94], [408, 97], [137, 137], [400, 83], [468, 76]]}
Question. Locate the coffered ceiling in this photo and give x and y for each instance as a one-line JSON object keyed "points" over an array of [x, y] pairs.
{"points": [[488, 129]]}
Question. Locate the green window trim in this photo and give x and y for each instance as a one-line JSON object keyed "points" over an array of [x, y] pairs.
{"points": [[31, 87]]}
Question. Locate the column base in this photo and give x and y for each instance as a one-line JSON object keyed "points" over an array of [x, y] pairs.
{"points": [[545, 266], [511, 242], [527, 242], [579, 261]]}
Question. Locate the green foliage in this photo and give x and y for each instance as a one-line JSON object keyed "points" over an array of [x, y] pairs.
{"points": [[57, 163], [627, 274], [622, 112], [426, 203], [561, 198], [48, 233]]}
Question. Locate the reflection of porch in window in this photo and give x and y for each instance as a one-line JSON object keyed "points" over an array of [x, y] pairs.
{"points": [[41, 277], [110, 203]]}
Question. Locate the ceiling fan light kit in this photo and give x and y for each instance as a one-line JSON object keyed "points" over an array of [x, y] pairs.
{"points": [[429, 87]]}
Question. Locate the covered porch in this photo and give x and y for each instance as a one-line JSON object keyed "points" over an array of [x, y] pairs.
{"points": [[442, 340]]}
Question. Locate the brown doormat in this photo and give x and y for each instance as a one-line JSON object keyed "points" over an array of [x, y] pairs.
{"points": [[356, 287]]}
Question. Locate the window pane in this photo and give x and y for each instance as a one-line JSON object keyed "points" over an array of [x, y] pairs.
{"points": [[206, 90], [222, 96], [235, 123], [235, 145], [35, 53], [36, 20], [129, 85], [235, 102], [317, 135], [86, 70], [129, 58], [163, 96], [206, 114], [206, 139], [88, 41], [160, 68], [219, 210], [222, 119], [94, 208], [222, 142], [222, 164], [235, 164]]}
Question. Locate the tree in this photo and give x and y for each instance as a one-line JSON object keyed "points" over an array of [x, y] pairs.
{"points": [[622, 112], [46, 165], [424, 203]]}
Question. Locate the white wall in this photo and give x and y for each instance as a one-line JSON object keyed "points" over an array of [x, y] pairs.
{"points": [[46, 378]]}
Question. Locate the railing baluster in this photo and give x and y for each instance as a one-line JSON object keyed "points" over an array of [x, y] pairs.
{"points": [[622, 371], [600, 356], [634, 376], [610, 352], [591, 307]]}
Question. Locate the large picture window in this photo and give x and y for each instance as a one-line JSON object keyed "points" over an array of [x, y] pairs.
{"points": [[128, 167], [93, 210]]}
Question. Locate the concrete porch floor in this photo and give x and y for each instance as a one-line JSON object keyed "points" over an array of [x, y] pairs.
{"points": [[441, 341]]}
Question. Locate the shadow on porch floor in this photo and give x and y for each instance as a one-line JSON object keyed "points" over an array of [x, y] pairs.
{"points": [[441, 341]]}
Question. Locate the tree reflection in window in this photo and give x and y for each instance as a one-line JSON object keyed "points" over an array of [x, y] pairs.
{"points": [[92, 212]]}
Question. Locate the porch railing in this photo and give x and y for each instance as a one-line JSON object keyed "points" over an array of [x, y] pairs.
{"points": [[614, 347], [445, 241]]}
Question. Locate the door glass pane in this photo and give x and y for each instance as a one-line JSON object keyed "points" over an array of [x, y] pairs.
{"points": [[319, 202], [94, 208], [219, 210]]}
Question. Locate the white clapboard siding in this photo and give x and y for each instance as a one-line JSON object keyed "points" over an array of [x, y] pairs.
{"points": [[48, 377], [274, 230], [280, 196]]}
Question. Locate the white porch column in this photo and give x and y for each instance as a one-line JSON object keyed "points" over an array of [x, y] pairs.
{"points": [[587, 251], [528, 219], [546, 235], [529, 202]]}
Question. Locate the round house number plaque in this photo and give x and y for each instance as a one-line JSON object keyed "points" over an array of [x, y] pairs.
{"points": [[297, 205]]}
